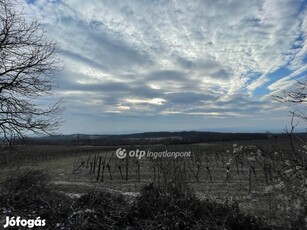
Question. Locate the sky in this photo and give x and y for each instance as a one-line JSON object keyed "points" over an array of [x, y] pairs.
{"points": [[208, 65]]}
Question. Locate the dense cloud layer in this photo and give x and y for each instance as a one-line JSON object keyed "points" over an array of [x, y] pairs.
{"points": [[175, 61]]}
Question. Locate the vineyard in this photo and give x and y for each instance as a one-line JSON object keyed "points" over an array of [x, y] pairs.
{"points": [[267, 178]]}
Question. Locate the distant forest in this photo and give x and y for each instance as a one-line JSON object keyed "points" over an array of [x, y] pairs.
{"points": [[148, 138]]}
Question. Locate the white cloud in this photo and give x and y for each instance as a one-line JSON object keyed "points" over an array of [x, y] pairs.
{"points": [[154, 101], [150, 51], [288, 81], [257, 83]]}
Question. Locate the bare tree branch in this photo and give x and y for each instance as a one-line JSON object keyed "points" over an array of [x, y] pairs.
{"points": [[295, 97], [27, 62]]}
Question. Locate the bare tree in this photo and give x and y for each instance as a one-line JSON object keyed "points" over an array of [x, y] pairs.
{"points": [[295, 97], [27, 61], [292, 166]]}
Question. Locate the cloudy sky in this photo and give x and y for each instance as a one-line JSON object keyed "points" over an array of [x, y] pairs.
{"points": [[136, 65]]}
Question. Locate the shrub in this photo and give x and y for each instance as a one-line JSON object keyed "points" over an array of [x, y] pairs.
{"points": [[28, 195], [171, 209]]}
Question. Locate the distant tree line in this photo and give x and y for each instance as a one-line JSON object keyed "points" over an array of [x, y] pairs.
{"points": [[166, 138]]}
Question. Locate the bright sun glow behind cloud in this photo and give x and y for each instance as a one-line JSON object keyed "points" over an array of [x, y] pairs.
{"points": [[180, 64]]}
